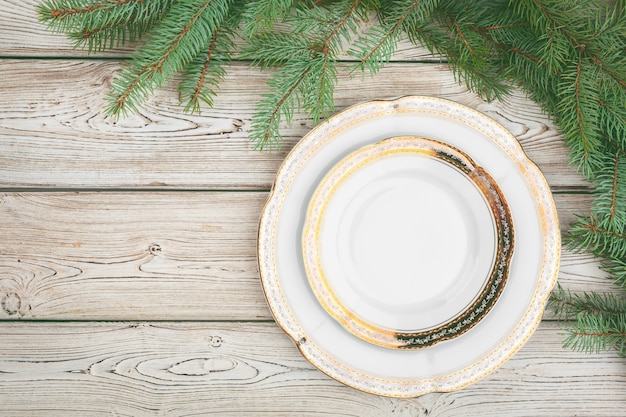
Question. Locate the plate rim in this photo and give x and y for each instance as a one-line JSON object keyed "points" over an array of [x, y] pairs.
{"points": [[493, 284]]}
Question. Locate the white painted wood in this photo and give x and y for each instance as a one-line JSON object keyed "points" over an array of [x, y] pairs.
{"points": [[53, 132], [243, 369], [124, 256], [157, 255]]}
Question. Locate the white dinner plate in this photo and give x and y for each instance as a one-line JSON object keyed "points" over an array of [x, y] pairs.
{"points": [[445, 366], [407, 242]]}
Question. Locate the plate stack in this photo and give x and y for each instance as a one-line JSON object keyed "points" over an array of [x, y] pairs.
{"points": [[408, 246]]}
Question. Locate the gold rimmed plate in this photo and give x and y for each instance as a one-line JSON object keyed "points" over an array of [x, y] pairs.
{"points": [[446, 366], [407, 242]]}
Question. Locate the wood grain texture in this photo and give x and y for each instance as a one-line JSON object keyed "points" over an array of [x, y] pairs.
{"points": [[22, 35], [124, 256], [53, 132], [242, 369], [157, 255]]}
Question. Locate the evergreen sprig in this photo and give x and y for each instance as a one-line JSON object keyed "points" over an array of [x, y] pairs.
{"points": [[569, 56], [603, 232], [98, 25], [599, 320], [178, 38], [306, 53], [202, 75]]}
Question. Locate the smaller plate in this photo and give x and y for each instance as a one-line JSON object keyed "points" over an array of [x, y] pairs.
{"points": [[407, 242]]}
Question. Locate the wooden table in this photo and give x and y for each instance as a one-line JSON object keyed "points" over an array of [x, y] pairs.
{"points": [[128, 276]]}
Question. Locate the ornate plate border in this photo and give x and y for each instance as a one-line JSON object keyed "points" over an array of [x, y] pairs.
{"points": [[493, 285]]}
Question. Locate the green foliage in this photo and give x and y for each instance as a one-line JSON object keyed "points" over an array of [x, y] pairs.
{"points": [[202, 75], [261, 16], [569, 56], [98, 25], [595, 333], [306, 53], [599, 320], [178, 38], [603, 232]]}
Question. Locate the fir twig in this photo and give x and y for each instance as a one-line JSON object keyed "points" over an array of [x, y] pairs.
{"points": [[593, 334], [265, 130], [181, 36], [202, 76], [101, 24], [568, 306], [600, 320], [260, 16], [603, 232], [377, 45], [308, 58]]}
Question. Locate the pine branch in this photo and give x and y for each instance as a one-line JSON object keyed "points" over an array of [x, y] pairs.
{"points": [[342, 22], [276, 49], [375, 48], [593, 334], [202, 76], [101, 24], [471, 54], [280, 104], [603, 232], [261, 15], [599, 236], [182, 34], [609, 39], [568, 306], [524, 63], [600, 320], [308, 58], [578, 108], [377, 45], [612, 116], [580, 27], [616, 269]]}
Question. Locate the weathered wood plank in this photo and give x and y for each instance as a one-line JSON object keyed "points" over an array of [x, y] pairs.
{"points": [[147, 256], [236, 369], [156, 255], [22, 35], [53, 132]]}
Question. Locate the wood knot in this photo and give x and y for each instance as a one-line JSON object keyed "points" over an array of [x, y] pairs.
{"points": [[215, 341], [154, 249], [410, 408], [11, 303], [198, 367], [238, 125]]}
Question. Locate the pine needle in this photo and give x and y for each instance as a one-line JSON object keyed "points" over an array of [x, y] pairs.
{"points": [[593, 334], [101, 24], [307, 57], [178, 39]]}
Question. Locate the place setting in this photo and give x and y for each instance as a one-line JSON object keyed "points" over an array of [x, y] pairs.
{"points": [[408, 246]]}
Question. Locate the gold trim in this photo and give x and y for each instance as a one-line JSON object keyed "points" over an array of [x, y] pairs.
{"points": [[491, 360], [463, 320]]}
